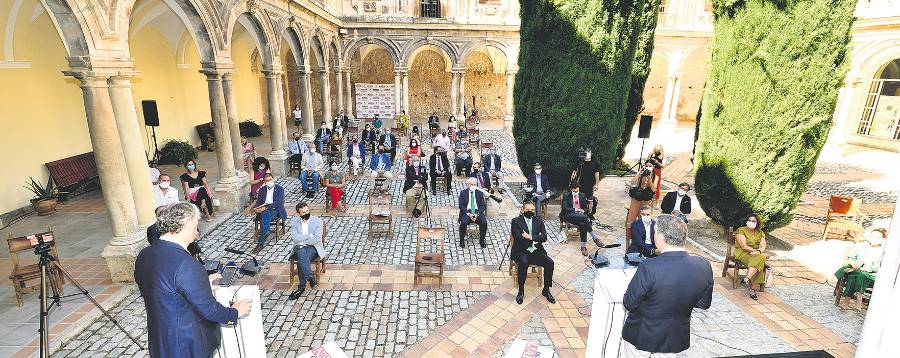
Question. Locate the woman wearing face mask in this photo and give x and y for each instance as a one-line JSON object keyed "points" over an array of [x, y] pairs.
{"points": [[196, 189], [862, 263], [641, 193], [334, 181], [749, 249], [257, 176], [248, 152], [413, 151], [298, 117]]}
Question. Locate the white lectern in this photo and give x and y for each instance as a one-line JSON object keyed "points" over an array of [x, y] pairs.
{"points": [[607, 312], [245, 338]]}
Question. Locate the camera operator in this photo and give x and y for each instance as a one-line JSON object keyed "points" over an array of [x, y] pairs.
{"points": [[587, 176]]}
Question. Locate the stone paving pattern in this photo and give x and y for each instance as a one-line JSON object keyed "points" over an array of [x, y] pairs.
{"points": [[816, 301]]}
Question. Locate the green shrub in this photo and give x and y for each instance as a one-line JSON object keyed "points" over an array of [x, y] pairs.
{"points": [[575, 65], [176, 152], [249, 129], [640, 69], [773, 82]]}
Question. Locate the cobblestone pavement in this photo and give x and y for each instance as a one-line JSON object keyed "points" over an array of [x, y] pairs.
{"points": [[816, 301]]}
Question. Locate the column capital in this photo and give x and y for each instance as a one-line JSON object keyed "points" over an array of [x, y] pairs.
{"points": [[272, 73], [401, 70], [458, 70], [90, 78], [302, 71], [216, 66]]}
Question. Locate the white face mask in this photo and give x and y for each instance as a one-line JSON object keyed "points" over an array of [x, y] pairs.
{"points": [[537, 171], [751, 224], [270, 184], [587, 156], [415, 164], [334, 167], [646, 219], [681, 192], [473, 187], [163, 185]]}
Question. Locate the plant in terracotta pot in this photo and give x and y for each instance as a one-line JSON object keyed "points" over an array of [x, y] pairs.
{"points": [[45, 196]]}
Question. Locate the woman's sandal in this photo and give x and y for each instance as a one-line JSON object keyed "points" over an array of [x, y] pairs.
{"points": [[584, 251], [753, 295]]}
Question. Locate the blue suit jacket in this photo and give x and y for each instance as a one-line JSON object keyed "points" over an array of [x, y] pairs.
{"points": [[362, 150], [464, 206], [545, 182], [660, 298], [638, 238], [378, 158], [485, 178], [183, 317], [277, 199]]}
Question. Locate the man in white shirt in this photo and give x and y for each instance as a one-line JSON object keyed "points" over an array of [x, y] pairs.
{"points": [[306, 232], [642, 234], [441, 141], [163, 192], [312, 164], [677, 203], [154, 172], [297, 148]]}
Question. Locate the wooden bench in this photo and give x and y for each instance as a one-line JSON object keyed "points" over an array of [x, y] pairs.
{"points": [[74, 174]]}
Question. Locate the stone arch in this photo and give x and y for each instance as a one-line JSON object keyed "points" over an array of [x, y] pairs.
{"points": [[449, 62], [482, 44], [867, 63], [193, 19], [871, 58], [70, 27], [388, 46], [429, 83], [257, 26], [318, 49], [296, 41], [444, 47], [333, 54]]}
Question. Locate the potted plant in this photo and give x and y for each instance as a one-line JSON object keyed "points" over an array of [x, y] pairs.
{"points": [[45, 196]]}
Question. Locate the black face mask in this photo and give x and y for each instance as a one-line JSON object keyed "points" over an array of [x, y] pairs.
{"points": [[528, 214], [355, 141], [305, 217]]}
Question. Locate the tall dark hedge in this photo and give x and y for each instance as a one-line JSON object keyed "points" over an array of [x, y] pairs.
{"points": [[773, 82], [640, 70], [573, 80]]}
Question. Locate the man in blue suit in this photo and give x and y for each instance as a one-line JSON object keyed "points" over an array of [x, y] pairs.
{"points": [[356, 155], [662, 294], [269, 205], [482, 178], [542, 189], [642, 239], [183, 316], [472, 210]]}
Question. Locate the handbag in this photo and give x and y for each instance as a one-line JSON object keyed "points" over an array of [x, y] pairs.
{"points": [[640, 194], [770, 277]]}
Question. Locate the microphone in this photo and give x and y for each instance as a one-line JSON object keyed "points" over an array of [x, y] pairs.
{"points": [[249, 268]]}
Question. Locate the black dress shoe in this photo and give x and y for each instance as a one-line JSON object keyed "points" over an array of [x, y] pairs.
{"points": [[257, 249], [548, 296], [462, 243], [520, 297], [313, 283], [297, 293], [482, 243]]}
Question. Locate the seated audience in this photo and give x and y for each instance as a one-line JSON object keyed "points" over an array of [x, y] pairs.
{"points": [[153, 230], [257, 177], [482, 178], [403, 121], [307, 233], [415, 174], [340, 122], [296, 149], [463, 159], [269, 205], [369, 136], [440, 167], [492, 163], [573, 212], [861, 266], [472, 209], [377, 122], [678, 203], [542, 189], [441, 141], [163, 192], [749, 249], [642, 234], [414, 150], [529, 235], [323, 136], [641, 192], [413, 194], [389, 142], [312, 165], [380, 165], [356, 156], [452, 129], [196, 189], [335, 182]]}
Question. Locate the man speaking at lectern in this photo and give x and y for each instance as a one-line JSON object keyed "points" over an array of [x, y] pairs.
{"points": [[662, 294]]}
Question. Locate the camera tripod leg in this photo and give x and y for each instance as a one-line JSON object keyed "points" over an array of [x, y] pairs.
{"points": [[43, 331], [505, 252]]}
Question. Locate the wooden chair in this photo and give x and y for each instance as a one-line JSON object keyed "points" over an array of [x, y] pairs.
{"points": [[434, 132], [22, 273], [426, 240], [277, 224], [839, 292], [514, 266], [843, 217], [380, 215], [318, 263], [351, 131], [736, 266], [441, 184], [397, 132], [475, 137]]}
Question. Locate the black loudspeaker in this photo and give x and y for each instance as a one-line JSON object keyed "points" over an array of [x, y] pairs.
{"points": [[151, 115], [643, 130]]}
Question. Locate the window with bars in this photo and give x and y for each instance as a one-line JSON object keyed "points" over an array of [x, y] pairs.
{"points": [[880, 117], [431, 8]]}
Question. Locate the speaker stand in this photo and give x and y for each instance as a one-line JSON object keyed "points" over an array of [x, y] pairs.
{"points": [[637, 165], [156, 146]]}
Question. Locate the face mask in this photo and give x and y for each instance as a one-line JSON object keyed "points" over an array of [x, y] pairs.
{"points": [[414, 144], [191, 167], [645, 219], [164, 185], [355, 140], [312, 150], [472, 187], [270, 184], [305, 216], [537, 171], [415, 164], [334, 167], [296, 137], [751, 225], [528, 214], [587, 157], [681, 192]]}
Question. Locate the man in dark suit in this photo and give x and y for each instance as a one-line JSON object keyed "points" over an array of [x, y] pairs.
{"points": [[529, 235], [323, 135], [183, 316], [662, 294], [440, 167], [415, 173], [389, 141], [269, 205], [482, 178], [368, 137], [542, 189], [678, 203], [642, 239], [472, 210], [574, 205], [492, 164]]}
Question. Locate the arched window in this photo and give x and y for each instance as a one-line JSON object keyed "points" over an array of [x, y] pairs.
{"points": [[881, 110]]}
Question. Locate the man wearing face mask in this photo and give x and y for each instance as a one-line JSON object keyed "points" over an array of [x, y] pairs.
{"points": [[441, 141], [269, 205], [677, 202], [380, 165], [482, 178], [463, 160], [472, 210], [642, 233], [296, 148], [440, 167], [368, 136], [312, 164], [389, 142], [415, 174], [356, 155], [306, 232], [589, 181], [323, 135], [573, 211], [492, 164], [163, 192], [433, 121], [542, 189], [529, 235]]}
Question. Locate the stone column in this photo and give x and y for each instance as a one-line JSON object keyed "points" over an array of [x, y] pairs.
{"points": [[847, 94], [348, 93], [230, 190], [127, 239], [510, 105], [306, 107], [275, 129], [462, 92], [132, 148], [398, 92], [882, 323], [282, 112], [326, 94], [670, 102], [454, 90], [405, 92], [339, 88], [233, 124]]}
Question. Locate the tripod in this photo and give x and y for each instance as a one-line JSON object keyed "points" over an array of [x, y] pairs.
{"points": [[46, 263], [638, 164], [423, 197]]}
